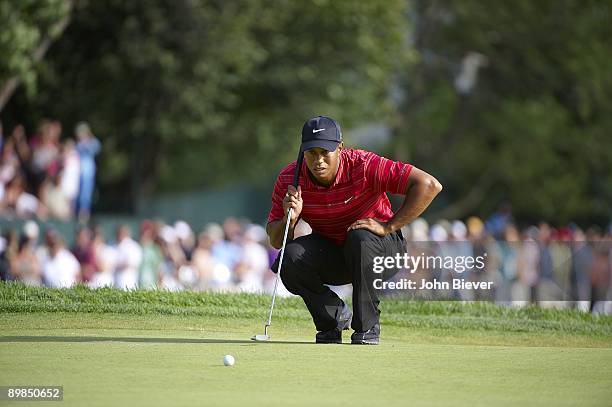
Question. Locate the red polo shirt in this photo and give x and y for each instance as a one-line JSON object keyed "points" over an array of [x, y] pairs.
{"points": [[358, 192]]}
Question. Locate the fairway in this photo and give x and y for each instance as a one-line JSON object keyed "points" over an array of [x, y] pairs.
{"points": [[148, 357]]}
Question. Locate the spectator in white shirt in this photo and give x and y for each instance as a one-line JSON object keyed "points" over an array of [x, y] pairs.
{"points": [[253, 264], [70, 172], [60, 268], [129, 257], [106, 256], [18, 201]]}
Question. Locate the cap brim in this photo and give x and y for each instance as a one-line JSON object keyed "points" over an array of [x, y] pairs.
{"points": [[326, 144]]}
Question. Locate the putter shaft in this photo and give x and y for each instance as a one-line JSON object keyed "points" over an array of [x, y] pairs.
{"points": [[296, 176], [280, 263]]}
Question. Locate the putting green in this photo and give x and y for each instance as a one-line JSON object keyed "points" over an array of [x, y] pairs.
{"points": [[145, 360]]}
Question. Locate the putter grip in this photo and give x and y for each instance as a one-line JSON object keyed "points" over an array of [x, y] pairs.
{"points": [[298, 167]]}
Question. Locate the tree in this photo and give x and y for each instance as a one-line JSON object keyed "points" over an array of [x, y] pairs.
{"points": [[193, 93], [534, 129], [28, 29]]}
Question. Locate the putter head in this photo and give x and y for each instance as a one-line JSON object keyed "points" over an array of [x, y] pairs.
{"points": [[262, 338]]}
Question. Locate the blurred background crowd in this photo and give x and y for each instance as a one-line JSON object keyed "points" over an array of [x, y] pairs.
{"points": [[231, 256], [45, 175], [558, 267]]}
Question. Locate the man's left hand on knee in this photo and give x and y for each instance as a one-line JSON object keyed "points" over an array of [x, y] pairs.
{"points": [[373, 225]]}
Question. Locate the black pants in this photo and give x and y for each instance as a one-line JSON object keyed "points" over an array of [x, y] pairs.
{"points": [[312, 261]]}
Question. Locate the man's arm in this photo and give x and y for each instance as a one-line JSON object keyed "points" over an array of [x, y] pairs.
{"points": [[276, 229], [422, 189]]}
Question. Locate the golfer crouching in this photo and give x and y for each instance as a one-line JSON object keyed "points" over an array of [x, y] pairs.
{"points": [[341, 193]]}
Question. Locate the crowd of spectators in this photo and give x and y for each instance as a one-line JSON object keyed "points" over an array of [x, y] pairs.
{"points": [[565, 266], [231, 256], [557, 267], [45, 176]]}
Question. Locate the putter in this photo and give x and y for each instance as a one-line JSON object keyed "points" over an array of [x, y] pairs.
{"points": [[266, 336]]}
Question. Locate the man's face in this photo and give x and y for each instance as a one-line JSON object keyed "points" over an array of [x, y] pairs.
{"points": [[323, 164]]}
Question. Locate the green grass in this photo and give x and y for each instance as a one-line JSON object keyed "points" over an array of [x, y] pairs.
{"points": [[109, 347]]}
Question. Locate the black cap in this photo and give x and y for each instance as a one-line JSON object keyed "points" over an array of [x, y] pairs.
{"points": [[322, 132]]}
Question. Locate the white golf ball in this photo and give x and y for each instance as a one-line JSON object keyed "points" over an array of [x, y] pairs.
{"points": [[228, 360]]}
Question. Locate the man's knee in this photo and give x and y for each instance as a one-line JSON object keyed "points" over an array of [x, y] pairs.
{"points": [[289, 272], [289, 279], [360, 249], [357, 238], [292, 255]]}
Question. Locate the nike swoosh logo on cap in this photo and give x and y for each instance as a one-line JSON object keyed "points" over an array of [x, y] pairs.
{"points": [[316, 131]]}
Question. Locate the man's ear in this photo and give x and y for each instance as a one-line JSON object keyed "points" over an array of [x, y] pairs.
{"points": [[340, 146]]}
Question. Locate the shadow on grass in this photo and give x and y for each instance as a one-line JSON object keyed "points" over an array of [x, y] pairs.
{"points": [[68, 339]]}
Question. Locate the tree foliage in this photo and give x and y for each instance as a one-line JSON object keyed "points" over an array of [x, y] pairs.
{"points": [[193, 93], [535, 129], [28, 27]]}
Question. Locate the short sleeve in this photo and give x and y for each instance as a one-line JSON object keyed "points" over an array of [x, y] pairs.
{"points": [[276, 212], [386, 175]]}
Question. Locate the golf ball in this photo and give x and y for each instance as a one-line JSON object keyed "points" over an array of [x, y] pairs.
{"points": [[228, 360]]}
